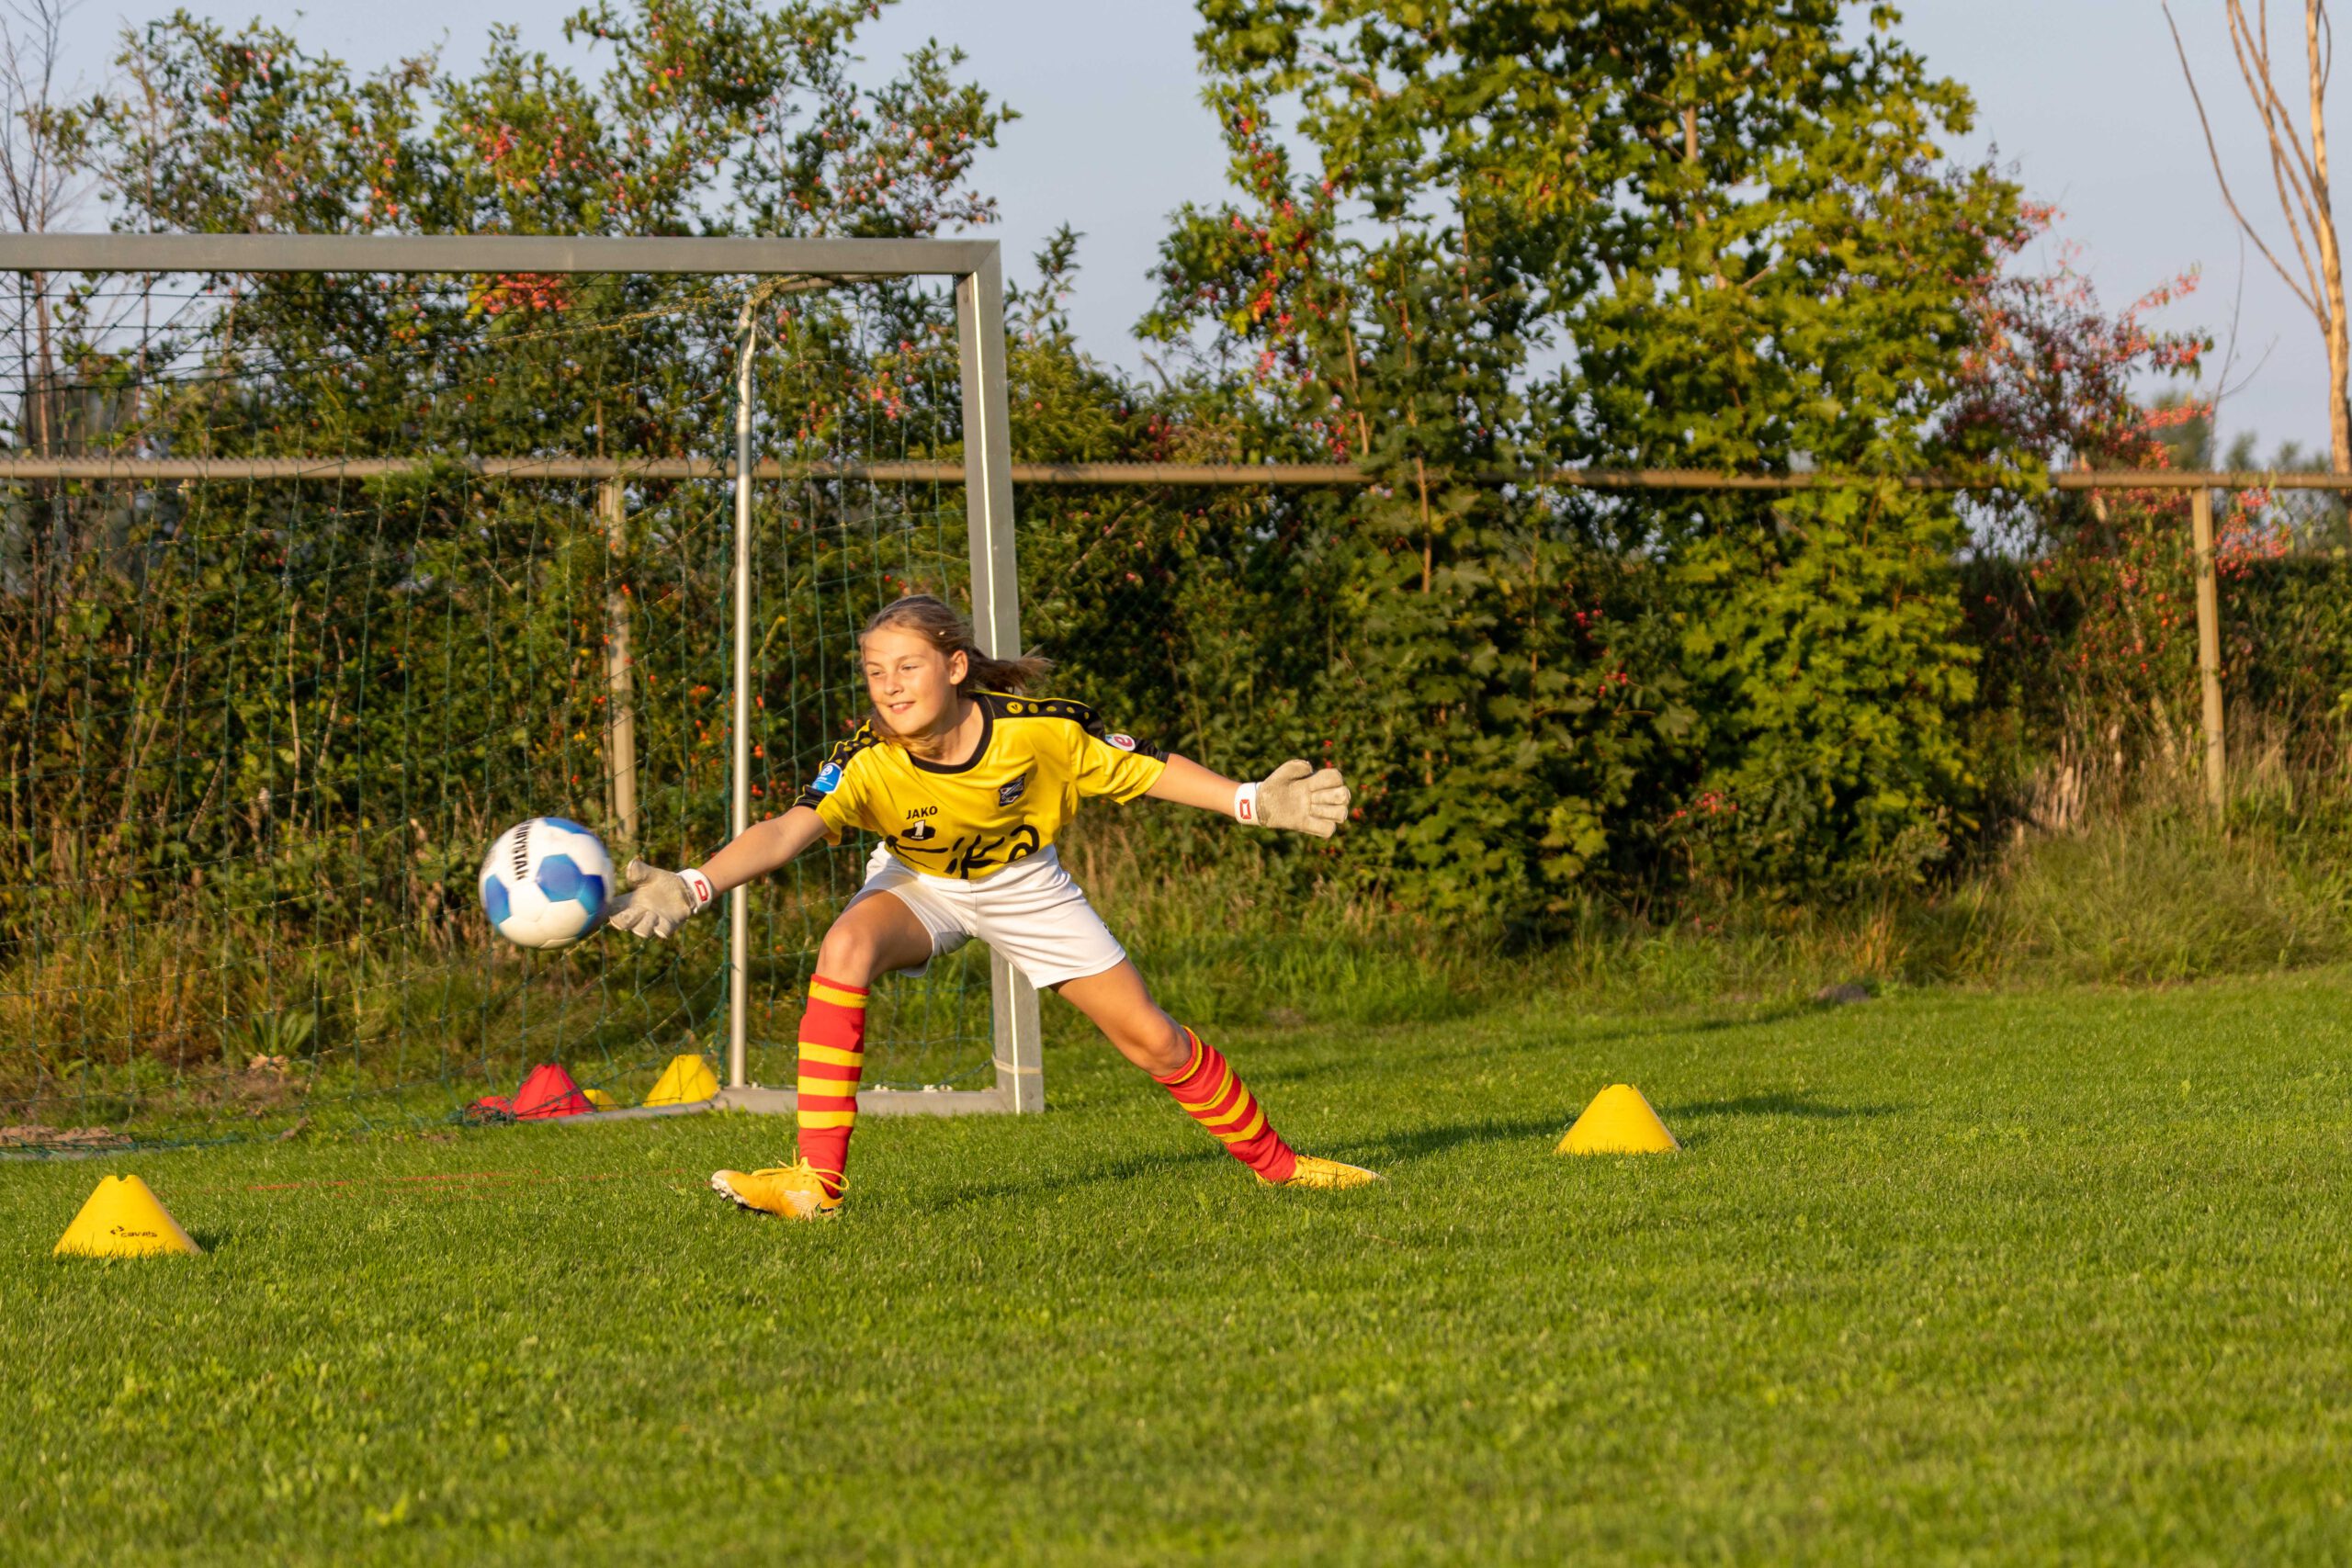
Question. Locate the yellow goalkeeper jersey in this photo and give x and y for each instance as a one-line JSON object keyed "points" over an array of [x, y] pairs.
{"points": [[1037, 758]]}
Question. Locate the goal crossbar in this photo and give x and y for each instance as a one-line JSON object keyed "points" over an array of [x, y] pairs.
{"points": [[841, 260]]}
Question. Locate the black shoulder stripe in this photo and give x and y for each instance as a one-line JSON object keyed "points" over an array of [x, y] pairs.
{"points": [[838, 758], [1139, 746], [1009, 705], [1004, 705], [1092, 724]]}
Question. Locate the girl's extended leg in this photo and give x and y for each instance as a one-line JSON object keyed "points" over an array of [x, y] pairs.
{"points": [[1209, 1090], [873, 937], [1121, 1006]]}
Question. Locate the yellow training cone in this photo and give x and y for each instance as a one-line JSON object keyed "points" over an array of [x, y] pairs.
{"points": [[685, 1080], [600, 1100], [122, 1219], [1618, 1122]]}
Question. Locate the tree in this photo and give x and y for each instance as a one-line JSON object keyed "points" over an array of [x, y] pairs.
{"points": [[2081, 600], [2299, 175], [1715, 236]]}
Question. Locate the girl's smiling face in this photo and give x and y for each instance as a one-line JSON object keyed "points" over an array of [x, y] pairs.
{"points": [[912, 682]]}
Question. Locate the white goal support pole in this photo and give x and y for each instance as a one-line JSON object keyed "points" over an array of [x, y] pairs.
{"points": [[996, 615], [977, 270], [738, 901]]}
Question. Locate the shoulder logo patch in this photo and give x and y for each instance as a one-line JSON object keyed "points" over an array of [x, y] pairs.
{"points": [[1007, 793], [827, 779], [1124, 742]]}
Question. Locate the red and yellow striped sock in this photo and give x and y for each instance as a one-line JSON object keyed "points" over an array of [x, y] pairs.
{"points": [[832, 1054], [1212, 1094]]}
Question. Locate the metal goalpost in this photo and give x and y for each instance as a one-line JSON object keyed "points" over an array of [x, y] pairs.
{"points": [[974, 268]]}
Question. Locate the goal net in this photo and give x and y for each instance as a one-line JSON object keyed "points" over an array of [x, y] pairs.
{"points": [[312, 581]]}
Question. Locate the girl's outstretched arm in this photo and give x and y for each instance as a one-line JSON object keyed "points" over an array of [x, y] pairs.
{"points": [[1294, 796], [1187, 782], [658, 902], [763, 847]]}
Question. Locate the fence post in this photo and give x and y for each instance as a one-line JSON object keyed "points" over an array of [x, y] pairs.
{"points": [[738, 900], [620, 697], [2209, 642]]}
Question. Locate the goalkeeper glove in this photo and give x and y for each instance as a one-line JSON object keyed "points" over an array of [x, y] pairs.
{"points": [[658, 902], [1303, 799]]}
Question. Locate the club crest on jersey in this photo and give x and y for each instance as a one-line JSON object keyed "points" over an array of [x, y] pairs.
{"points": [[827, 779], [1007, 793], [1124, 742]]}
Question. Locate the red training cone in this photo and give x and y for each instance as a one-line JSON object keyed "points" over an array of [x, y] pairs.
{"points": [[550, 1091]]}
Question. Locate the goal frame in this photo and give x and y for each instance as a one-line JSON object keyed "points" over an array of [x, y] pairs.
{"points": [[977, 268]]}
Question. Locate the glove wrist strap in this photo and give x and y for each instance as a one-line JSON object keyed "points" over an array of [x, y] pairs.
{"points": [[697, 888], [1245, 806]]}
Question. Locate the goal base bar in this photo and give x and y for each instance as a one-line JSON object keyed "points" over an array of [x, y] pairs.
{"points": [[759, 1101], [874, 1101], [751, 1098]]}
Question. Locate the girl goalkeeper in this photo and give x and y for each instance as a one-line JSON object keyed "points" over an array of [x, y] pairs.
{"points": [[968, 782]]}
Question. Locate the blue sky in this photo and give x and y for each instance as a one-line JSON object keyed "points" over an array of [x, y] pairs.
{"points": [[2084, 96]]}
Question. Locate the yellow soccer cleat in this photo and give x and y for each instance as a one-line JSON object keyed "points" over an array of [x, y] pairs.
{"points": [[789, 1191], [1314, 1175]]}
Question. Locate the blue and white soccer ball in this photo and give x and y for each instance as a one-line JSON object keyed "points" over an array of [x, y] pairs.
{"points": [[546, 882]]}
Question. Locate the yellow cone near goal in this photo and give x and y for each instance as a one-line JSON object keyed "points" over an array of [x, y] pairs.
{"points": [[123, 1219], [1618, 1122], [685, 1080]]}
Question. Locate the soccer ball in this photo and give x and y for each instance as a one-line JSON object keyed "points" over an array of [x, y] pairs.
{"points": [[545, 882]]}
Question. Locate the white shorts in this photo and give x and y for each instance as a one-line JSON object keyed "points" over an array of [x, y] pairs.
{"points": [[1030, 914]]}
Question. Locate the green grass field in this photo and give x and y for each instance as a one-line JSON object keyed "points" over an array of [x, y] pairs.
{"points": [[1939, 1276]]}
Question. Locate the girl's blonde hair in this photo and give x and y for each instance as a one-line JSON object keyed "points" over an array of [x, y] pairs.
{"points": [[938, 624]]}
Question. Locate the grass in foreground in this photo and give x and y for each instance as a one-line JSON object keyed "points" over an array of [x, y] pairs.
{"points": [[1937, 1277]]}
